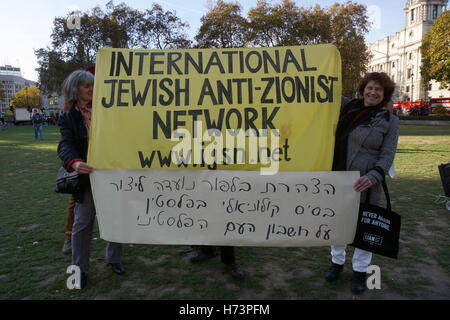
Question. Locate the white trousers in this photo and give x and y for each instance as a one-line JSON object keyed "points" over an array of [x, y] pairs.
{"points": [[361, 258]]}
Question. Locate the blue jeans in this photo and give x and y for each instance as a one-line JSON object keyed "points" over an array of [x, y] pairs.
{"points": [[38, 131]]}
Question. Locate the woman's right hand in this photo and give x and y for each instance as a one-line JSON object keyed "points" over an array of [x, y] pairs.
{"points": [[362, 184], [82, 167]]}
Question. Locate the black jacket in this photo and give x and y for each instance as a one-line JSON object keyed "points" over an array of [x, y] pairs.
{"points": [[74, 140], [37, 118]]}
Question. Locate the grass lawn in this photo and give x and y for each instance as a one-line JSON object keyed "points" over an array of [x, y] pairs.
{"points": [[33, 218]]}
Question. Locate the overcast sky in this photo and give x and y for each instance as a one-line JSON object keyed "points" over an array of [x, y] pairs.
{"points": [[26, 25]]}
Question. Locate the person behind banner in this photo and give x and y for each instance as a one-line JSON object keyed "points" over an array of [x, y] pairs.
{"points": [[74, 125], [227, 257], [366, 141]]}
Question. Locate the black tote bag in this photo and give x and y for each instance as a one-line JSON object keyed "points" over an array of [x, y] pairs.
{"points": [[444, 171], [378, 228]]}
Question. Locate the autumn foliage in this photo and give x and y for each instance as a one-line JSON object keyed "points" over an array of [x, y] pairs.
{"points": [[436, 51], [222, 26]]}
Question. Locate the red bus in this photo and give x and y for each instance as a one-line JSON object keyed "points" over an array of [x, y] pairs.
{"points": [[434, 102], [422, 106]]}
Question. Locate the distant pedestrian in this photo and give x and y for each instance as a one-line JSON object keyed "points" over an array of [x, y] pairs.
{"points": [[38, 121]]}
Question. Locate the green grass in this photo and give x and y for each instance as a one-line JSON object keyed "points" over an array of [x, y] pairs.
{"points": [[33, 218]]}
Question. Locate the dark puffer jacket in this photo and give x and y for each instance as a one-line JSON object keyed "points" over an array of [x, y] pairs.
{"points": [[74, 140]]}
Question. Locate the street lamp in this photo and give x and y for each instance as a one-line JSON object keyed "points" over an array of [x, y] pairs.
{"points": [[412, 86]]}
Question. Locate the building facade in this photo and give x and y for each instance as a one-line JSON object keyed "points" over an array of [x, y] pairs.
{"points": [[52, 104], [11, 82], [399, 55]]}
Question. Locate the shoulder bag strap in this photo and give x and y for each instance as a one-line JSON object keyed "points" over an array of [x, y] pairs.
{"points": [[386, 194]]}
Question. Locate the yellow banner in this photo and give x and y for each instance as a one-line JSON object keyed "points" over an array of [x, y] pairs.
{"points": [[227, 109]]}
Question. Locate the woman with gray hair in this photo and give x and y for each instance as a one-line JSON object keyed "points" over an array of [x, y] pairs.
{"points": [[72, 150]]}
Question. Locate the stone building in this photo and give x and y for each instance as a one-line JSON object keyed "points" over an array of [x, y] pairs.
{"points": [[11, 82], [52, 103], [399, 55]]}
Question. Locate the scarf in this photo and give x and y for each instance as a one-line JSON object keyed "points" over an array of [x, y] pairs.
{"points": [[355, 116], [86, 112]]}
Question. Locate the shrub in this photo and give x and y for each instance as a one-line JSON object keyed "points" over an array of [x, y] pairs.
{"points": [[439, 110], [425, 118]]}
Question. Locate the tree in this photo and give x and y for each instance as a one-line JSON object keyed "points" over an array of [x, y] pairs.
{"points": [[119, 26], [163, 30], [314, 26], [292, 24], [436, 53], [286, 24], [27, 97], [283, 24], [349, 23], [53, 69], [262, 23], [223, 27]]}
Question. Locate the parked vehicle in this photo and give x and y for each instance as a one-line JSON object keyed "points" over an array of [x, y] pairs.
{"points": [[18, 116]]}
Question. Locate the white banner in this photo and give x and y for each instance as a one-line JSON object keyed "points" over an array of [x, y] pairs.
{"points": [[239, 208]]}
